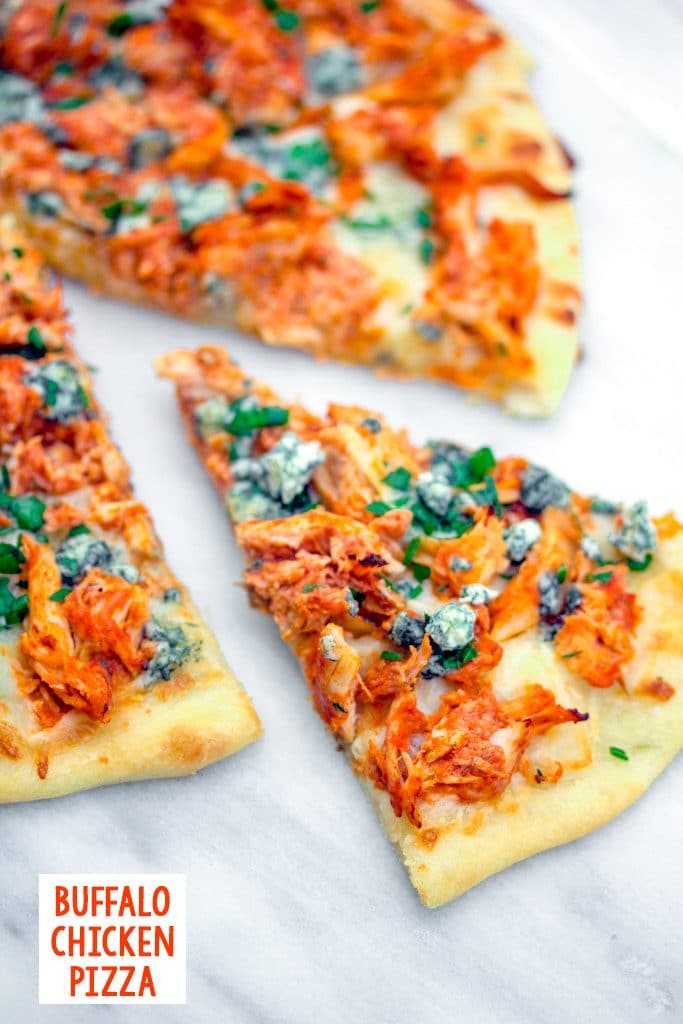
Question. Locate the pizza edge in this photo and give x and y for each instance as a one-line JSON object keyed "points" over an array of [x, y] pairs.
{"points": [[445, 861], [169, 731]]}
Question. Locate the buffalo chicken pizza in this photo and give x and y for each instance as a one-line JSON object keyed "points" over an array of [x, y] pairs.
{"points": [[107, 673], [369, 181], [500, 657]]}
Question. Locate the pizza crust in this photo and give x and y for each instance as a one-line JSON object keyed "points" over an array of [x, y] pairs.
{"points": [[445, 861], [169, 730]]}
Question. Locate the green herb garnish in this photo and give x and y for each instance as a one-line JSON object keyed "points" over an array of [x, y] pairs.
{"points": [[421, 571], [411, 550], [71, 102], [58, 18], [398, 478], [636, 566], [378, 508], [561, 574], [246, 421], [60, 594], [11, 558], [120, 24], [28, 511], [287, 20], [36, 340], [480, 463], [461, 657], [338, 707], [12, 609], [133, 207], [77, 530], [426, 250], [391, 656], [599, 577], [618, 752]]}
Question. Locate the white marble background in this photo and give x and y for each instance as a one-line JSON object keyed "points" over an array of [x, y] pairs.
{"points": [[299, 911]]}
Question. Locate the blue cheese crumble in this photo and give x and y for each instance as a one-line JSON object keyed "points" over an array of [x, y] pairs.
{"points": [[173, 649], [541, 490], [59, 384], [452, 626], [477, 594], [333, 71], [434, 492], [636, 539], [549, 595], [270, 486], [78, 554], [520, 537]]}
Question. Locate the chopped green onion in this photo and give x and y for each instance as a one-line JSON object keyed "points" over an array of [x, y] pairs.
{"points": [[618, 752], [391, 656], [60, 594]]}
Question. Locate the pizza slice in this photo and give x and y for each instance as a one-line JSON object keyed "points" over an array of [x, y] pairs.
{"points": [[371, 182], [107, 672], [499, 656]]}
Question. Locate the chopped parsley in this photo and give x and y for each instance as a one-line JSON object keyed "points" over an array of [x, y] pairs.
{"points": [[480, 463], [636, 566], [391, 656], [246, 421], [11, 558], [426, 250], [411, 550], [561, 574], [123, 207], [78, 530], [13, 608], [27, 510], [61, 594], [377, 508], [599, 577], [120, 24], [398, 479], [58, 18], [572, 654], [369, 5], [309, 587], [71, 102], [35, 340], [16, 251], [460, 658], [618, 753], [420, 571]]}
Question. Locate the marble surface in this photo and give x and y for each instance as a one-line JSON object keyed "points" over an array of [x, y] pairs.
{"points": [[298, 909]]}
